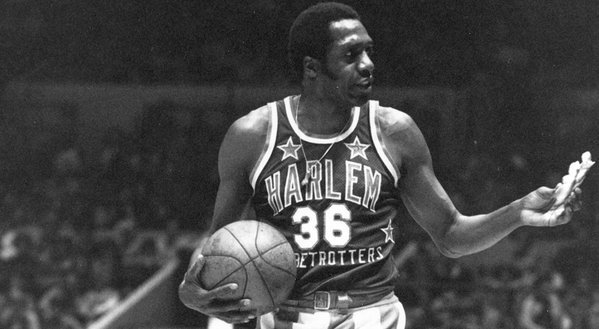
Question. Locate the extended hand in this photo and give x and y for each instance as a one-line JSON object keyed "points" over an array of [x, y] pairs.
{"points": [[216, 302], [537, 207]]}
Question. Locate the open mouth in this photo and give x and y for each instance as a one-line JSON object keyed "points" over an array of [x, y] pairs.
{"points": [[365, 84]]}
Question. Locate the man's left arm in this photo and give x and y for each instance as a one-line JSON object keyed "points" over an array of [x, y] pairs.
{"points": [[454, 233]]}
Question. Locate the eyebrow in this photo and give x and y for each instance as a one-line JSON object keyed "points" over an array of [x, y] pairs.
{"points": [[352, 43], [359, 46]]}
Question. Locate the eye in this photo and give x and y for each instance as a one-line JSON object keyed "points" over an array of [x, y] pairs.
{"points": [[352, 54]]}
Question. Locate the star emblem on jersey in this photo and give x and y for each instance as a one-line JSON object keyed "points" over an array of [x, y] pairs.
{"points": [[388, 232], [357, 149], [289, 149]]}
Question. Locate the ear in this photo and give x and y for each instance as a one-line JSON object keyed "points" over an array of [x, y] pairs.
{"points": [[311, 67]]}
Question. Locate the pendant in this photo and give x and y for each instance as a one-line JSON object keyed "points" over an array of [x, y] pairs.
{"points": [[307, 177]]}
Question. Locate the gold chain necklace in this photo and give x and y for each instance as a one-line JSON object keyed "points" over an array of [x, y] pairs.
{"points": [[308, 175]]}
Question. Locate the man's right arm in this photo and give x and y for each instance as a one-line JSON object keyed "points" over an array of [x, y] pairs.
{"points": [[238, 154]]}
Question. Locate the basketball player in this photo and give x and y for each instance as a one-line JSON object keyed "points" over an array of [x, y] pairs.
{"points": [[329, 168]]}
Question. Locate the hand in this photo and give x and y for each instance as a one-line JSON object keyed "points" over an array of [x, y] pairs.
{"points": [[216, 302], [537, 207]]}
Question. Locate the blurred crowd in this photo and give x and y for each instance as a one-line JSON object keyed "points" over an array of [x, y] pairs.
{"points": [[536, 278], [83, 223], [81, 229], [441, 293], [83, 226]]}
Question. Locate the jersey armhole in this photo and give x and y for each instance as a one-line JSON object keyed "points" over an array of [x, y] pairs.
{"points": [[377, 139], [271, 135]]}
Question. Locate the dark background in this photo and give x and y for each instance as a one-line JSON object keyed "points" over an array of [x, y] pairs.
{"points": [[112, 113], [419, 43]]}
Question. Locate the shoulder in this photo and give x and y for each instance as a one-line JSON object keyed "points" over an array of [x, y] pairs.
{"points": [[392, 121], [245, 139], [253, 124], [390, 117], [401, 135]]}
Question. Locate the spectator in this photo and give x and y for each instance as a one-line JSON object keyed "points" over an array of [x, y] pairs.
{"points": [[101, 293], [56, 310], [543, 308], [592, 315], [20, 309]]}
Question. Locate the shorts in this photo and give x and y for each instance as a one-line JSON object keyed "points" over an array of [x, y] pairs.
{"points": [[388, 313]]}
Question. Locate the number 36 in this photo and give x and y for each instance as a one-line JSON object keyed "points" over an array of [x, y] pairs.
{"points": [[337, 231]]}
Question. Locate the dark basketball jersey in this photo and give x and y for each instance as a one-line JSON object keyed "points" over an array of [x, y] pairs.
{"points": [[338, 215]]}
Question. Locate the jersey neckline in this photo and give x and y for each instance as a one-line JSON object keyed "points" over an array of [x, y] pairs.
{"points": [[355, 116]]}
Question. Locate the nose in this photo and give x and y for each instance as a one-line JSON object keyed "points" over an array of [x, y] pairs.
{"points": [[366, 66]]}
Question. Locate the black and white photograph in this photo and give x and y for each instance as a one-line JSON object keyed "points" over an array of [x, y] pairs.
{"points": [[307, 164]]}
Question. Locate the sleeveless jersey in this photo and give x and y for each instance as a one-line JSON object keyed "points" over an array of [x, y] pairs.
{"points": [[339, 215]]}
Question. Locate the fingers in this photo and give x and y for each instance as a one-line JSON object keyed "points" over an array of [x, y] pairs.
{"points": [[546, 192], [213, 302], [566, 215], [559, 216], [229, 307], [541, 209], [574, 200], [194, 296], [239, 311], [235, 317], [198, 298], [221, 302], [541, 199], [222, 292], [191, 278], [577, 193]]}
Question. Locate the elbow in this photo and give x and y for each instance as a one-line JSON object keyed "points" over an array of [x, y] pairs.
{"points": [[447, 246], [451, 246], [448, 250], [447, 243], [455, 248]]}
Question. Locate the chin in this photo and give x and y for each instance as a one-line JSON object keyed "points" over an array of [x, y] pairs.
{"points": [[361, 99]]}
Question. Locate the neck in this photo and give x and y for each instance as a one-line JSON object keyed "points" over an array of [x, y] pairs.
{"points": [[320, 116]]}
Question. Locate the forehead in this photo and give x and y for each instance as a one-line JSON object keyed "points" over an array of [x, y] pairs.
{"points": [[348, 32]]}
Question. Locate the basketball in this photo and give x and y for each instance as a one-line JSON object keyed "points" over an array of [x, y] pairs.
{"points": [[254, 255]]}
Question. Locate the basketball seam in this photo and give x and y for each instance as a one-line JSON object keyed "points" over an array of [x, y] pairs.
{"points": [[251, 259], [273, 265], [246, 252], [228, 275], [272, 300]]}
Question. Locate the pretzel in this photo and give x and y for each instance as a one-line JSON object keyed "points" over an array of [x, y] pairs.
{"points": [[576, 174]]}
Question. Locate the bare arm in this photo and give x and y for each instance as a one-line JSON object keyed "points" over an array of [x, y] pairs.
{"points": [[238, 153], [454, 233], [235, 161]]}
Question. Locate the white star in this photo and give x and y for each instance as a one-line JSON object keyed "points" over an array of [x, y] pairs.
{"points": [[289, 149], [388, 232], [357, 149]]}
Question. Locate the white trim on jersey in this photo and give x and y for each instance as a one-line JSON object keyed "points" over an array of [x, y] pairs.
{"points": [[316, 140], [378, 144], [268, 146]]}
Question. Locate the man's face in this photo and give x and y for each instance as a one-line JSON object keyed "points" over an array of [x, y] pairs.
{"points": [[347, 69]]}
